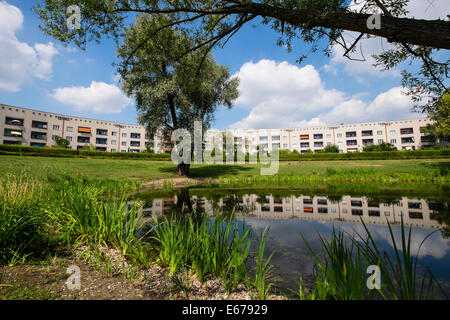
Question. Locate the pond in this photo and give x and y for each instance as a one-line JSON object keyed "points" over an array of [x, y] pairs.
{"points": [[290, 213]]}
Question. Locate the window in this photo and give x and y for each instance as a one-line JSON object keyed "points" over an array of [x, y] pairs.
{"points": [[406, 131], [56, 127], [124, 143], [275, 145], [8, 142], [328, 135], [113, 150], [356, 203], [380, 141], [357, 212], [393, 141], [39, 145], [322, 210], [339, 135], [102, 132], [54, 137], [379, 132], [415, 215], [318, 136], [113, 142], [38, 135], [276, 138], [307, 201], [414, 205], [350, 134], [114, 133], [392, 132], [352, 142], [374, 213], [285, 146], [322, 201], [102, 149], [14, 121], [318, 144], [69, 129], [13, 133], [124, 135], [69, 138], [367, 133], [367, 141], [39, 124]]}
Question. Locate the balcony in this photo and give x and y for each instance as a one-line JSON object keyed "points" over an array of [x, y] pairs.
{"points": [[14, 122], [304, 145], [318, 144], [84, 130], [101, 141], [352, 142], [408, 140], [318, 136], [367, 141], [83, 139], [350, 134], [39, 145], [13, 133], [135, 143], [135, 136], [102, 149], [276, 138], [39, 125], [304, 137], [100, 132], [367, 133], [407, 131], [38, 136]]}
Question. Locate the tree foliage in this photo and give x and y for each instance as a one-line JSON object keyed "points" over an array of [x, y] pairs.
{"points": [[321, 23]]}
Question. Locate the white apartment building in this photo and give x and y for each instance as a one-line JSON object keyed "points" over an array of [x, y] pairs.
{"points": [[38, 128], [403, 134]]}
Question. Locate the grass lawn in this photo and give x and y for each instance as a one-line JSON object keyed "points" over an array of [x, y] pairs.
{"points": [[143, 170]]}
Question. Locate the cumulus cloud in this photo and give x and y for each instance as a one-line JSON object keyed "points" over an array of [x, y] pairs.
{"points": [[281, 95], [366, 48], [20, 62], [99, 97]]}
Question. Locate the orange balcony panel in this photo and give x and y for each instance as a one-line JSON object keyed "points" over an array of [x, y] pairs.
{"points": [[84, 130], [304, 136]]}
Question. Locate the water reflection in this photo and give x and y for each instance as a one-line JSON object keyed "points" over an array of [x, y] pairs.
{"points": [[289, 215]]}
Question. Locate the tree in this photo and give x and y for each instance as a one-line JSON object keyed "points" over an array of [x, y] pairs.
{"points": [[214, 22], [441, 116], [384, 146], [331, 149], [171, 93], [61, 143]]}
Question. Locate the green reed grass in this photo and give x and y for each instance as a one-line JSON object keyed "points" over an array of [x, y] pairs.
{"points": [[263, 267], [341, 271]]}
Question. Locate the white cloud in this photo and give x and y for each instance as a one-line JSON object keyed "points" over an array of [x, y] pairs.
{"points": [[20, 62], [419, 9], [99, 97], [280, 95]]}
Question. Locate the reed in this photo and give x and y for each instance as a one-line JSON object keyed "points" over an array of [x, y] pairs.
{"points": [[263, 267]]}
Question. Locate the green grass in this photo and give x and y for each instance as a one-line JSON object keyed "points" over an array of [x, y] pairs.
{"points": [[141, 170]]}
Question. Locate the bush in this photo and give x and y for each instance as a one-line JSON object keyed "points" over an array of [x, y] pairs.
{"points": [[384, 146], [331, 149], [69, 153]]}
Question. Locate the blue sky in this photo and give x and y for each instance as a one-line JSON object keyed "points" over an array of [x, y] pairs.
{"points": [[38, 72]]}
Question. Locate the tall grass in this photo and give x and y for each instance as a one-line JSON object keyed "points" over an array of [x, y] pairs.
{"points": [[263, 267], [20, 222], [341, 272], [210, 248]]}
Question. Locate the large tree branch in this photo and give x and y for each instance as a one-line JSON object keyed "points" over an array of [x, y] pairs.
{"points": [[431, 33]]}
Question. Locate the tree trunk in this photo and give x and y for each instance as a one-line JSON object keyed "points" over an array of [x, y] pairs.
{"points": [[183, 169]]}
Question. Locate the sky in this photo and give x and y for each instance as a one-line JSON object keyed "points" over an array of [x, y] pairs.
{"points": [[39, 72]]}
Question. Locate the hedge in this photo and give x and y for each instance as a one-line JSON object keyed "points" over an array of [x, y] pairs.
{"points": [[377, 155], [69, 153]]}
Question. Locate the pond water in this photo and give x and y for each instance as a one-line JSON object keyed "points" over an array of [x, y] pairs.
{"points": [[292, 213]]}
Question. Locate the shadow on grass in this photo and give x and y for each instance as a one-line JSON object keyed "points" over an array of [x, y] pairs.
{"points": [[210, 171]]}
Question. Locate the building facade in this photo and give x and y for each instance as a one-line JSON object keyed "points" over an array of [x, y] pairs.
{"points": [[38, 128], [403, 134]]}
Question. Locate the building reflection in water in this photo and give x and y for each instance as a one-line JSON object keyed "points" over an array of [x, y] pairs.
{"points": [[416, 213]]}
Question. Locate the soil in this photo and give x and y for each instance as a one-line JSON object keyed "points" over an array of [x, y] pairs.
{"points": [[46, 280]]}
